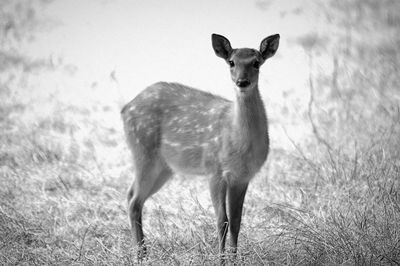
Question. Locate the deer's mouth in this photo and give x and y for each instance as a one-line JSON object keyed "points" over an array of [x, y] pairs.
{"points": [[244, 89]]}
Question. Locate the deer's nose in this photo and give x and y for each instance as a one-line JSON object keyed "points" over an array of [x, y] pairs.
{"points": [[242, 83]]}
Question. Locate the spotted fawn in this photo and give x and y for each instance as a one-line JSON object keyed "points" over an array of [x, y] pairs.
{"points": [[172, 128]]}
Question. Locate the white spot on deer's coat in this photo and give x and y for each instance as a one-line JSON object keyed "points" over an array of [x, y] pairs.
{"points": [[172, 144], [213, 111]]}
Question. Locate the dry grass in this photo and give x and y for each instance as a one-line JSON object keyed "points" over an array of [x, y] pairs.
{"points": [[331, 199], [63, 204]]}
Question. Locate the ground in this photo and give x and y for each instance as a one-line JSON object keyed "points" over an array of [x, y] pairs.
{"points": [[328, 194]]}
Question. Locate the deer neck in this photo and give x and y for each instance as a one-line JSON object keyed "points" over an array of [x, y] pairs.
{"points": [[250, 120]]}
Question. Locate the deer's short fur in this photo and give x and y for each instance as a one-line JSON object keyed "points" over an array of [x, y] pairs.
{"points": [[172, 128]]}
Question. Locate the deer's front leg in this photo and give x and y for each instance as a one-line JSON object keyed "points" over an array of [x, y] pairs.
{"points": [[218, 196], [236, 194]]}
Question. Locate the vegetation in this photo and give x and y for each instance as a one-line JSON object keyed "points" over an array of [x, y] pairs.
{"points": [[334, 199]]}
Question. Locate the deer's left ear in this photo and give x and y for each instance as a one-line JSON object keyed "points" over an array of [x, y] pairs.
{"points": [[269, 46]]}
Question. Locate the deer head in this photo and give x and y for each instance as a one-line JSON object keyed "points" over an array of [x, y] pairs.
{"points": [[245, 63]]}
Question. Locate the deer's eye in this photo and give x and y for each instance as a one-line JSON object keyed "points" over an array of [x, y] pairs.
{"points": [[256, 64], [231, 63]]}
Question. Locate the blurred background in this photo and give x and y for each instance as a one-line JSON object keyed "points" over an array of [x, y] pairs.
{"points": [[332, 94]]}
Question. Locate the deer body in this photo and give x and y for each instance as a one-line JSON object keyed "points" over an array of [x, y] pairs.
{"points": [[172, 128], [199, 139]]}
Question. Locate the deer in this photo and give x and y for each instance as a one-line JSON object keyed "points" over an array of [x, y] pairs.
{"points": [[175, 129]]}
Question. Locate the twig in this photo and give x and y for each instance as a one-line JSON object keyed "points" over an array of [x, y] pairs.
{"points": [[105, 248], [83, 241], [310, 105], [310, 110], [312, 164], [65, 191], [258, 255]]}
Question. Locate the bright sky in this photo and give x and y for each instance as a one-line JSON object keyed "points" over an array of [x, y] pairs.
{"points": [[148, 41]]}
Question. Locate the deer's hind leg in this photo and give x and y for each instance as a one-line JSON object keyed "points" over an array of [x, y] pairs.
{"points": [[150, 176], [218, 188]]}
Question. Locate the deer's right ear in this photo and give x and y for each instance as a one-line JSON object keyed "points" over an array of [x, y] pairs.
{"points": [[222, 46]]}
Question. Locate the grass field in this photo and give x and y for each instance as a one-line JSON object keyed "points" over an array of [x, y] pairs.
{"points": [[330, 197]]}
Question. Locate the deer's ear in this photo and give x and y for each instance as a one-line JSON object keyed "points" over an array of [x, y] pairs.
{"points": [[222, 46], [269, 46]]}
